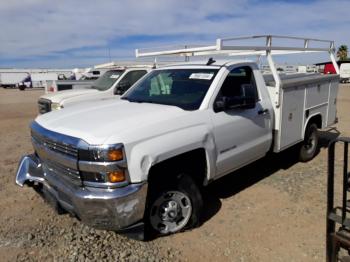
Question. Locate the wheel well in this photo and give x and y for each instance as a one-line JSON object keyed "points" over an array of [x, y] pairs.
{"points": [[317, 119], [193, 163]]}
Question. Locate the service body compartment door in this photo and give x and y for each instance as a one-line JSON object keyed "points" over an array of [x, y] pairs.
{"points": [[332, 103], [292, 116]]}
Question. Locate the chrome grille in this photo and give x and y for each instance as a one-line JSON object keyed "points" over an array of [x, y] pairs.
{"points": [[56, 146], [66, 173], [44, 106]]}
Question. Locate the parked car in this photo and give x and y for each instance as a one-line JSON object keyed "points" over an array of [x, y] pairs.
{"points": [[113, 82], [142, 159]]}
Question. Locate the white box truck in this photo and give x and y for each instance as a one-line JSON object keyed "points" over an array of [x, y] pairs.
{"points": [[11, 79], [141, 160]]}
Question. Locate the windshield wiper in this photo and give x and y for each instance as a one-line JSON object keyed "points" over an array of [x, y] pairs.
{"points": [[137, 101], [131, 100]]}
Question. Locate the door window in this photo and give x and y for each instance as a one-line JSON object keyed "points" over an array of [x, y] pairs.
{"points": [[133, 76], [239, 83]]}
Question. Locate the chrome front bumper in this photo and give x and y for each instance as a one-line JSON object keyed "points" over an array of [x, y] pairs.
{"points": [[110, 209]]}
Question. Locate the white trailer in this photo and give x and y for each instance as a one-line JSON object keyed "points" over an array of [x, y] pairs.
{"points": [[39, 79]]}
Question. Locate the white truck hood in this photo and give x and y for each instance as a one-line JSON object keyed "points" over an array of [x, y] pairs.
{"points": [[58, 97], [112, 121]]}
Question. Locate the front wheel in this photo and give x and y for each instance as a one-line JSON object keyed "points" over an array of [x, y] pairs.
{"points": [[308, 148], [176, 207]]}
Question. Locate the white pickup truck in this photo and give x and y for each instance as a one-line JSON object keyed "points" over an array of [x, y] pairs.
{"points": [[142, 160], [113, 82]]}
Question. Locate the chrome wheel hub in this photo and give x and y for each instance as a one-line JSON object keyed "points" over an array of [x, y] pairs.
{"points": [[170, 212]]}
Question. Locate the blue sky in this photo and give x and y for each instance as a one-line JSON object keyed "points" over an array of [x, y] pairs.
{"points": [[81, 33]]}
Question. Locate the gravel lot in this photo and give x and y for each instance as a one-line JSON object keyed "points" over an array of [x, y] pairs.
{"points": [[273, 210]]}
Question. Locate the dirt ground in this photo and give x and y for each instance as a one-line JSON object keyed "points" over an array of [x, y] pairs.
{"points": [[273, 210]]}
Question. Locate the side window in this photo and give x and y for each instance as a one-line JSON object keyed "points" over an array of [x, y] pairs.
{"points": [[239, 82], [133, 76], [129, 79]]}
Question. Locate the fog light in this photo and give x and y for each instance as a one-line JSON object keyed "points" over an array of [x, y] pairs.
{"points": [[115, 154], [116, 176]]}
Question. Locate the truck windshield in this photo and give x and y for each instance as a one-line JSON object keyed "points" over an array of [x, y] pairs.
{"points": [[107, 80], [184, 88]]}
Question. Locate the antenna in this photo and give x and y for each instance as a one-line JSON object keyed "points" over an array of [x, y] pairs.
{"points": [[211, 61]]}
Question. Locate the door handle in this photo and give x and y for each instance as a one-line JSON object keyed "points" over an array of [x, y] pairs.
{"points": [[263, 111]]}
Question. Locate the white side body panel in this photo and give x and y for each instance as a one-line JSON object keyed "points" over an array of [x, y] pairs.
{"points": [[299, 101]]}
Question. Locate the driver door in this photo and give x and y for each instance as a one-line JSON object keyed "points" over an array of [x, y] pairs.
{"points": [[242, 134]]}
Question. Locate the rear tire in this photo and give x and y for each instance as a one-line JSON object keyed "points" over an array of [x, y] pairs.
{"points": [[309, 147], [175, 206], [22, 87]]}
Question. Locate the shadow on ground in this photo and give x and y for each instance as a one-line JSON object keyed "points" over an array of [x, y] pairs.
{"points": [[247, 176]]}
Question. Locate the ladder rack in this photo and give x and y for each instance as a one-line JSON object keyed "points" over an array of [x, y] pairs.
{"points": [[224, 46]]}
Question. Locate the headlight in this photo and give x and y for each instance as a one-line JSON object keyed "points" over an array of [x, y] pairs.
{"points": [[56, 106], [103, 153], [106, 155], [109, 153]]}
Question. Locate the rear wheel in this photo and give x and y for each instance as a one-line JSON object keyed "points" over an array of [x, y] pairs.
{"points": [[308, 148], [177, 206], [22, 87]]}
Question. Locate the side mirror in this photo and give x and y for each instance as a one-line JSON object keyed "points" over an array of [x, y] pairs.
{"points": [[122, 87], [220, 105]]}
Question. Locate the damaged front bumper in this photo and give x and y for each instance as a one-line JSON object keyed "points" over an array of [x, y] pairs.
{"points": [[111, 209]]}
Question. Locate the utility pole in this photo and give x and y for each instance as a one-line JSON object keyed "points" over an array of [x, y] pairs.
{"points": [[109, 54]]}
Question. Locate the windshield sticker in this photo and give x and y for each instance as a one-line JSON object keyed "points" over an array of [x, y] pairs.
{"points": [[114, 76], [203, 76]]}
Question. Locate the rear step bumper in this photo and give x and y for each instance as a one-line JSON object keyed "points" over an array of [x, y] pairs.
{"points": [[110, 209]]}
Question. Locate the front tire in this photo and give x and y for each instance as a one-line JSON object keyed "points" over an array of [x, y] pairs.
{"points": [[309, 147], [175, 207]]}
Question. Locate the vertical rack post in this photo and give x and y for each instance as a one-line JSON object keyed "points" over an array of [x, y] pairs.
{"points": [[273, 69], [333, 59]]}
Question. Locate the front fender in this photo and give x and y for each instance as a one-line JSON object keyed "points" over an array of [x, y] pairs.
{"points": [[142, 156]]}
